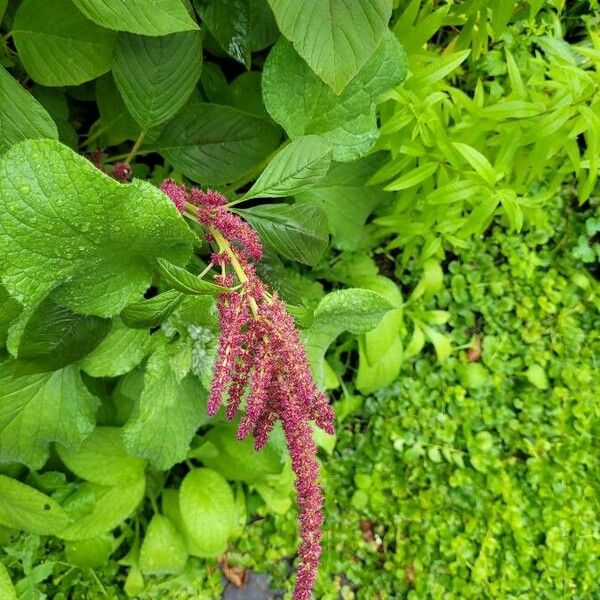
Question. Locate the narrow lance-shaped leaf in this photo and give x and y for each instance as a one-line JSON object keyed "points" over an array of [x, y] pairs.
{"points": [[185, 282], [296, 168]]}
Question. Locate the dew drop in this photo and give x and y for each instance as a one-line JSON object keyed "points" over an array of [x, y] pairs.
{"points": [[24, 189]]}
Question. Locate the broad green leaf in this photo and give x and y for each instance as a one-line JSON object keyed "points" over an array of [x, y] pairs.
{"points": [[25, 508], [119, 352], [22, 117], [102, 459], [53, 337], [346, 199], [157, 75], [263, 28], [412, 178], [42, 408], [335, 38], [90, 553], [150, 313], [297, 231], [58, 45], [299, 101], [145, 17], [106, 507], [207, 509], [229, 21], [68, 230], [116, 123], [416, 342], [163, 550], [441, 342], [354, 310], [216, 144], [9, 311], [167, 414], [187, 283], [296, 168], [237, 461], [478, 161], [384, 371], [7, 589]]}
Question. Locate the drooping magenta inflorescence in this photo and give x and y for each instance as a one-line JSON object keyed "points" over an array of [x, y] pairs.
{"points": [[261, 359]]}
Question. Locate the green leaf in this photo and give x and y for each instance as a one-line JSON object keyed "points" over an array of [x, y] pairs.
{"points": [[207, 507], [441, 342], [102, 459], [296, 168], [297, 231], [229, 21], [167, 414], [217, 144], [157, 75], [237, 461], [7, 589], [145, 17], [335, 38], [90, 553], [354, 310], [58, 45], [106, 507], [23, 507], [263, 28], [42, 408], [53, 337], [187, 283], [303, 105], [22, 117], [119, 352], [438, 69], [147, 314], [537, 377], [68, 230], [346, 199], [413, 177], [163, 550], [478, 161]]}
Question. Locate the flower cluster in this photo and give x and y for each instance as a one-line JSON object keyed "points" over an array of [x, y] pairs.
{"points": [[120, 171], [262, 360]]}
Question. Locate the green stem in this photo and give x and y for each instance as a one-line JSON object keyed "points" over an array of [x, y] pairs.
{"points": [[136, 147]]}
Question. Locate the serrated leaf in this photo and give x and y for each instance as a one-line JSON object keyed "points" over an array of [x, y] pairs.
{"points": [[110, 506], [185, 282], [237, 461], [150, 313], [102, 459], [216, 144], [207, 509], [22, 117], [354, 310], [145, 17], [167, 414], [25, 508], [297, 231], [68, 230], [229, 21], [296, 168], [53, 337], [156, 75], [163, 550], [41, 408], [335, 38], [304, 105], [58, 45], [119, 352]]}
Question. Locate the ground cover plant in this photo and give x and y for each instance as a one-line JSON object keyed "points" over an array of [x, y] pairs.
{"points": [[212, 211]]}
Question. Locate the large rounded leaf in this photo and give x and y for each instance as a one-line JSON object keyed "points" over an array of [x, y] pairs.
{"points": [[207, 511]]}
